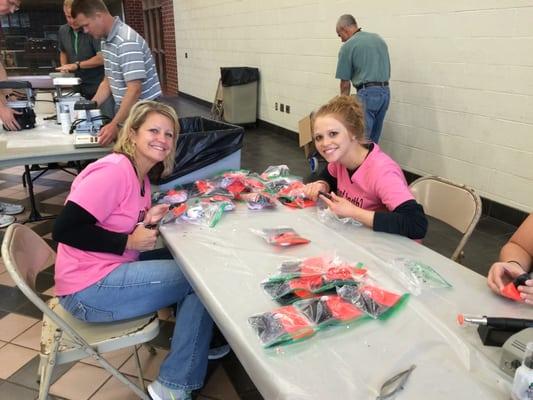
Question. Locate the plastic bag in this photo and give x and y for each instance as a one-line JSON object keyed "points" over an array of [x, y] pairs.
{"points": [[417, 276], [281, 236], [314, 266], [329, 310], [207, 188], [373, 300], [233, 184], [204, 213], [511, 289], [172, 196], [293, 196], [275, 185], [275, 171], [257, 201], [326, 215], [173, 213], [281, 326], [295, 289], [225, 202], [288, 291]]}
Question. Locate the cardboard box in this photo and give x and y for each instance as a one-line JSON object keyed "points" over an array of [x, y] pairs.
{"points": [[305, 135]]}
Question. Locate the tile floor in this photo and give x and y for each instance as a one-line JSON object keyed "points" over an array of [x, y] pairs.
{"points": [[20, 320]]}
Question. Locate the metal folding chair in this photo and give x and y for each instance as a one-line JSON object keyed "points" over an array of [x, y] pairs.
{"points": [[64, 338], [454, 204]]}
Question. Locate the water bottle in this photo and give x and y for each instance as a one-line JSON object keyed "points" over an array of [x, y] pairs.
{"points": [[523, 379], [64, 118]]}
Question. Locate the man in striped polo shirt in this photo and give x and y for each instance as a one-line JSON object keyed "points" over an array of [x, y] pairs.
{"points": [[130, 72]]}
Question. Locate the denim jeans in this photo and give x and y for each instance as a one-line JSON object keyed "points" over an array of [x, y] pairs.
{"points": [[142, 287], [375, 101]]}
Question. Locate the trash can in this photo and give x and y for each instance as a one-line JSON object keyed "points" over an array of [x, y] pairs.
{"points": [[239, 94], [205, 147]]}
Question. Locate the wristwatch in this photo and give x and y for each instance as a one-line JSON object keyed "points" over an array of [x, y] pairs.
{"points": [[78, 65]]}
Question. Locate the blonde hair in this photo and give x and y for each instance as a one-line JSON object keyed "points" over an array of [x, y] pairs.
{"points": [[348, 111], [68, 3], [138, 115]]}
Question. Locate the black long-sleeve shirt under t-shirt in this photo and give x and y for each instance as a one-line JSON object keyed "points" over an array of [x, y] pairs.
{"points": [[77, 228], [408, 219]]}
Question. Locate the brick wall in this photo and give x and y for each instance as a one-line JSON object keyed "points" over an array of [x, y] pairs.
{"points": [[169, 43], [133, 13]]}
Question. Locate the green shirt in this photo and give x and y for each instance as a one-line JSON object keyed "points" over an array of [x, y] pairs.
{"points": [[363, 58]]}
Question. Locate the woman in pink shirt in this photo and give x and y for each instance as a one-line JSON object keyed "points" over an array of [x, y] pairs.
{"points": [[364, 183], [101, 231]]}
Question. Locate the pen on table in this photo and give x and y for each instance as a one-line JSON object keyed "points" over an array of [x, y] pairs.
{"points": [[514, 324]]}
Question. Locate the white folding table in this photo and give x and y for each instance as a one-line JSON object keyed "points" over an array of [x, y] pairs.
{"points": [[44, 144], [226, 264]]}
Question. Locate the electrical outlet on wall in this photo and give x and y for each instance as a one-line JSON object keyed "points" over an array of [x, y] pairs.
{"points": [[287, 109], [276, 106], [282, 107]]}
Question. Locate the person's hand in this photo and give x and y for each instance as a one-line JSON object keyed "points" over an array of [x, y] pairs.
{"points": [[67, 68], [15, 95], [154, 214], [311, 189], [503, 273], [526, 291], [108, 133], [341, 207], [142, 239], [7, 115]]}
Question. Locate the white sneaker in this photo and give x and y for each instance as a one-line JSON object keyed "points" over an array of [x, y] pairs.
{"points": [[158, 391], [10, 208], [6, 220]]}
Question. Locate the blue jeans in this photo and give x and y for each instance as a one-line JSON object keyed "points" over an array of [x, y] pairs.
{"points": [[143, 287], [375, 101]]}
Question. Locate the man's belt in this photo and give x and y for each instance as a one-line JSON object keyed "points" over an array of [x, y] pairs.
{"points": [[370, 84]]}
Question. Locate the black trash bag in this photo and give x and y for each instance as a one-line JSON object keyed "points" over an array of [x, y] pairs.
{"points": [[203, 142], [234, 76]]}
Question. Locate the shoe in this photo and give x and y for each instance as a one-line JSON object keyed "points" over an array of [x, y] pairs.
{"points": [[10, 208], [216, 353], [6, 220], [158, 391], [219, 346]]}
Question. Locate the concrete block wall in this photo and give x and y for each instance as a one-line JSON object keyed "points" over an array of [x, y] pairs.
{"points": [[462, 76]]}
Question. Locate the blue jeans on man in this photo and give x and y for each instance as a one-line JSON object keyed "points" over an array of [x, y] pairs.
{"points": [[143, 287], [375, 101]]}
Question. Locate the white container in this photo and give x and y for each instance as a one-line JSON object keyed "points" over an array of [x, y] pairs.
{"points": [[68, 101], [523, 379], [64, 119]]}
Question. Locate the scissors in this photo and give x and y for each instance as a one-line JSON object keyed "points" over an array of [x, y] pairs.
{"points": [[394, 384]]}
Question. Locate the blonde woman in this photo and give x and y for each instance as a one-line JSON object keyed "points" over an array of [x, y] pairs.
{"points": [[103, 228], [361, 181]]}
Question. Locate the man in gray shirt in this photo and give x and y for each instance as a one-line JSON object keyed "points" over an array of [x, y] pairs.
{"points": [[130, 72], [364, 62], [80, 54]]}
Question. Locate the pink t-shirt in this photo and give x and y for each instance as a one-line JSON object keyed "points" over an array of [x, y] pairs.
{"points": [[109, 190], [377, 185]]}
